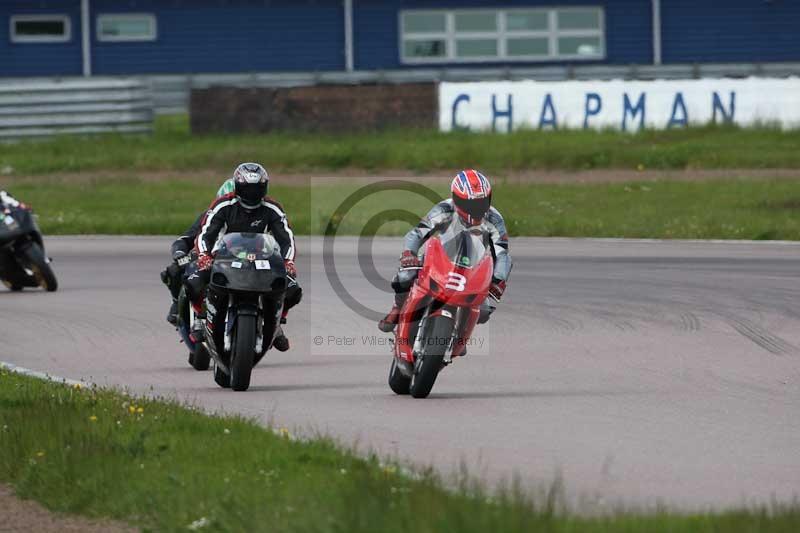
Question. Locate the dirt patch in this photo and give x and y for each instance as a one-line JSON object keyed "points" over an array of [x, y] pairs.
{"points": [[22, 515], [214, 177]]}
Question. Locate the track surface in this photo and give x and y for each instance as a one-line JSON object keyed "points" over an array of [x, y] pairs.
{"points": [[640, 373]]}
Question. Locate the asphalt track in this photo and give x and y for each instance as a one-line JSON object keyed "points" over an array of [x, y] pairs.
{"points": [[639, 373]]}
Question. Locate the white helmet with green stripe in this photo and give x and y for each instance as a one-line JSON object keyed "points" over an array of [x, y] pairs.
{"points": [[227, 188]]}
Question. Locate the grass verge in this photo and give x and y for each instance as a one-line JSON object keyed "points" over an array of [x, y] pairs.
{"points": [[172, 147], [165, 467], [718, 209]]}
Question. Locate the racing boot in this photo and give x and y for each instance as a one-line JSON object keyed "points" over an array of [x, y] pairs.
{"points": [[388, 323], [281, 343], [172, 315]]}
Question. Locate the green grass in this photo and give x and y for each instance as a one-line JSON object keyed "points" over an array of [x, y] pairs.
{"points": [[719, 209], [162, 467], [173, 148]]}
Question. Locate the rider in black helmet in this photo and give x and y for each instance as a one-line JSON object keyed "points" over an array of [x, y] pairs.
{"points": [[246, 209]]}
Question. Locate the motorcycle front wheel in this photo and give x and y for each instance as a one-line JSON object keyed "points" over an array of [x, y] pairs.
{"points": [[244, 346], [439, 331], [37, 262]]}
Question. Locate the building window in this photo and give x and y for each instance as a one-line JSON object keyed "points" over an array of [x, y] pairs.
{"points": [[480, 35], [40, 28], [127, 27]]}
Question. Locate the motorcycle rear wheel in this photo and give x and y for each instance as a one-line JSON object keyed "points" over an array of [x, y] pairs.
{"points": [[243, 352], [399, 383], [41, 268], [221, 378], [439, 330], [200, 359]]}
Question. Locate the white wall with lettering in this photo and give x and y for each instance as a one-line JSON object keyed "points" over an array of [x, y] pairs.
{"points": [[619, 104]]}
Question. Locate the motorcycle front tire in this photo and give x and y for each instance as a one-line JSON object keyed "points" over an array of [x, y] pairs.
{"points": [[37, 262], [439, 331]]}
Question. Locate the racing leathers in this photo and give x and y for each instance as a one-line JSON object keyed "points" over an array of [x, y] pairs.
{"points": [[172, 276], [227, 215], [181, 253], [439, 218]]}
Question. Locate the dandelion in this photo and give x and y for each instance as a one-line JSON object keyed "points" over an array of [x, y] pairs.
{"points": [[140, 410], [93, 418], [40, 454], [77, 386], [284, 433], [199, 523], [131, 409]]}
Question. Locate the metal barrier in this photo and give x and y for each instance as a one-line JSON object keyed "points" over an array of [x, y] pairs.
{"points": [[170, 92], [82, 106]]}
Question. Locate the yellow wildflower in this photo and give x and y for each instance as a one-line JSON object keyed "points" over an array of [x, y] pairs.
{"points": [[140, 410], [93, 418], [40, 454]]}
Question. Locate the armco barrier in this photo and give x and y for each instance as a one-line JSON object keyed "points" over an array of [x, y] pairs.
{"points": [[171, 91], [45, 108]]}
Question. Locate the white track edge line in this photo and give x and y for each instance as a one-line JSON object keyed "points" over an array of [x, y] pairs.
{"points": [[42, 375]]}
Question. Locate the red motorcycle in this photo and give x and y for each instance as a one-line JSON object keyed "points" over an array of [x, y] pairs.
{"points": [[442, 307]]}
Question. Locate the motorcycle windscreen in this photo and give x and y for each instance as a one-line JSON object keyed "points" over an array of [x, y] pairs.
{"points": [[465, 247], [247, 246]]}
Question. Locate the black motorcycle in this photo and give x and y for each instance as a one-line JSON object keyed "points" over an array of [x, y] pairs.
{"points": [[244, 302], [23, 262]]}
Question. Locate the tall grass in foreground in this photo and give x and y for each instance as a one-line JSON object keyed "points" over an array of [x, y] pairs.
{"points": [[719, 209], [165, 467], [173, 148]]}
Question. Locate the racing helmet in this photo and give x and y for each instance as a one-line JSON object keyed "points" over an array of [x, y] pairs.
{"points": [[250, 182], [472, 196]]}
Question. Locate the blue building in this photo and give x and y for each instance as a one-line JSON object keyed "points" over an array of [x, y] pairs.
{"points": [[123, 37]]}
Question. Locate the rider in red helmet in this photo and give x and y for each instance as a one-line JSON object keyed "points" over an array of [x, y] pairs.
{"points": [[471, 201]]}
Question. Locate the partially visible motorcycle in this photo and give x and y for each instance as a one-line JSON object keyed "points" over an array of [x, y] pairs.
{"points": [[442, 307], [244, 302], [23, 262], [199, 358]]}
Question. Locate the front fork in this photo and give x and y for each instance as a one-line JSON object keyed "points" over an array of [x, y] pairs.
{"points": [[236, 308]]}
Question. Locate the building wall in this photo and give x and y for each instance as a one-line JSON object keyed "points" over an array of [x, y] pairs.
{"points": [[696, 31], [36, 59], [376, 28], [308, 35], [227, 36]]}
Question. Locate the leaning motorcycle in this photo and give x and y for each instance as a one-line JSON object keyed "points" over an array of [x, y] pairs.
{"points": [[442, 308], [244, 302], [23, 262]]}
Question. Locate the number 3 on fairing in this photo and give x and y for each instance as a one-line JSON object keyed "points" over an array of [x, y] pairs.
{"points": [[456, 281]]}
